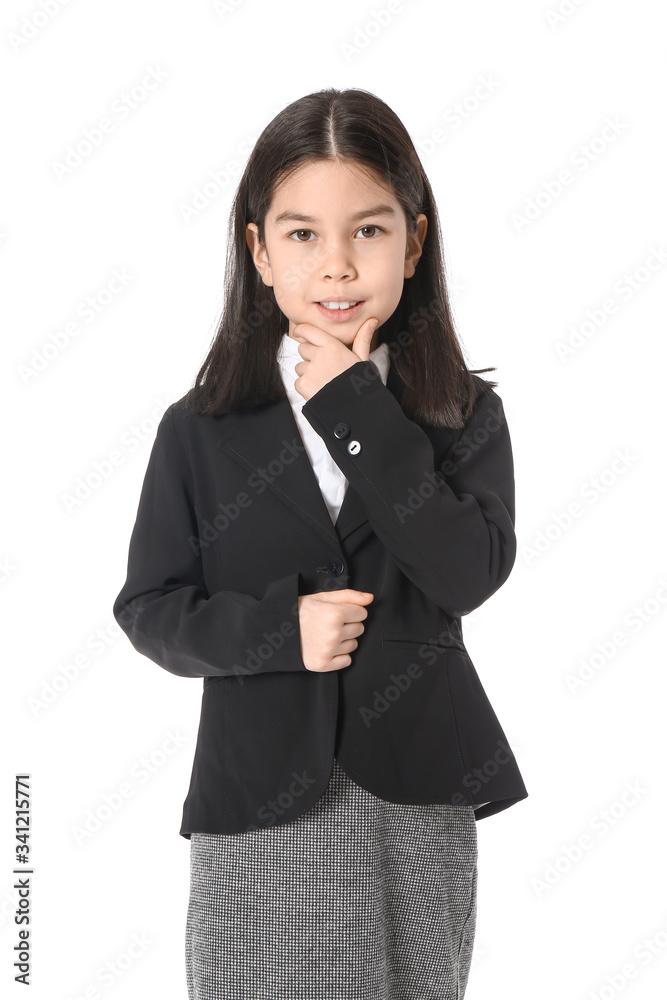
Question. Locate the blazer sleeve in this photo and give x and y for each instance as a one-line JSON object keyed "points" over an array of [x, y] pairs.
{"points": [[450, 526], [164, 607]]}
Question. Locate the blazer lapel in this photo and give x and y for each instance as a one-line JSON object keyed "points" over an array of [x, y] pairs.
{"points": [[257, 437]]}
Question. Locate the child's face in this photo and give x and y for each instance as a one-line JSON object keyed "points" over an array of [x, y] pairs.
{"points": [[337, 242]]}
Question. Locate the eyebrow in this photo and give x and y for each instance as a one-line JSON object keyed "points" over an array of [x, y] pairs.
{"points": [[292, 216]]}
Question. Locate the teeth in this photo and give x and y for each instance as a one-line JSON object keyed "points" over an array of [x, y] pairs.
{"points": [[338, 305]]}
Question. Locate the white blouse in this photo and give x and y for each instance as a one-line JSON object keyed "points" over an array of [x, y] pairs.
{"points": [[332, 481]]}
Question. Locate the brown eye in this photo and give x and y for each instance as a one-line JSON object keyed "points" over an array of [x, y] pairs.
{"points": [[369, 227], [297, 231]]}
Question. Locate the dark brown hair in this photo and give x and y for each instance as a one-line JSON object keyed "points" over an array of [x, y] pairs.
{"points": [[241, 369]]}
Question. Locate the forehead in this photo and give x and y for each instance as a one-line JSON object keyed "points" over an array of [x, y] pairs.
{"points": [[330, 188]]}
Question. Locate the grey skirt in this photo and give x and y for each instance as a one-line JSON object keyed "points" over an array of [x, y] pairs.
{"points": [[357, 898]]}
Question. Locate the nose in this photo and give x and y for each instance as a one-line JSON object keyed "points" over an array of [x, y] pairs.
{"points": [[336, 264]]}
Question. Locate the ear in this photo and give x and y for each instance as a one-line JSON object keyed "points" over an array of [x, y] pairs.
{"points": [[259, 253], [415, 246]]}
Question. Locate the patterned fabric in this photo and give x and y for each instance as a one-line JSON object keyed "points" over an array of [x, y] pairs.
{"points": [[357, 898]]}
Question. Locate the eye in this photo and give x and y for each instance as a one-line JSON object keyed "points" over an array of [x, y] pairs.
{"points": [[300, 231], [297, 232], [369, 226]]}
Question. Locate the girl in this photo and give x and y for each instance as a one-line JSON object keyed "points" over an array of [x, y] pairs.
{"points": [[319, 511]]}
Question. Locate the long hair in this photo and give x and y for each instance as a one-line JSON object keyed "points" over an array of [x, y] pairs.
{"points": [[241, 369]]}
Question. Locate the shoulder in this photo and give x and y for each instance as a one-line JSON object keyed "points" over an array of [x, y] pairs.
{"points": [[179, 412], [189, 426], [184, 417], [485, 394], [483, 388], [183, 409], [487, 410]]}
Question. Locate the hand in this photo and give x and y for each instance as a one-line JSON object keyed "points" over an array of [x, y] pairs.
{"points": [[325, 356], [328, 624]]}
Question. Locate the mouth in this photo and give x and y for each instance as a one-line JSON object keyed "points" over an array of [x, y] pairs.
{"points": [[339, 310]]}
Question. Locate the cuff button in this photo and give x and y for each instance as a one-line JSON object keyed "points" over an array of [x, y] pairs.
{"points": [[354, 447], [342, 431]]}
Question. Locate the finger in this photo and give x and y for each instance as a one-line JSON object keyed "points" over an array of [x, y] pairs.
{"points": [[312, 334], [362, 341], [347, 596]]}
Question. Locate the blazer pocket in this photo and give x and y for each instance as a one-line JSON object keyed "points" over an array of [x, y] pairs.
{"points": [[406, 640]]}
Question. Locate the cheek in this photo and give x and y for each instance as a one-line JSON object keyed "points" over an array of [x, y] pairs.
{"points": [[391, 264], [290, 277], [393, 269], [283, 284]]}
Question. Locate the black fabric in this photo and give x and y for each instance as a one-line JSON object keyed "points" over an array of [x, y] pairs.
{"points": [[232, 528]]}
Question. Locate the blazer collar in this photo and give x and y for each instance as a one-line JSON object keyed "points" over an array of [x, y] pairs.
{"points": [[255, 439]]}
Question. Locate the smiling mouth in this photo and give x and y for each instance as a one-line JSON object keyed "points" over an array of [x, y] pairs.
{"points": [[340, 306]]}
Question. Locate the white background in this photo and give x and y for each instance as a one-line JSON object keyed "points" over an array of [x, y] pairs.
{"points": [[551, 924]]}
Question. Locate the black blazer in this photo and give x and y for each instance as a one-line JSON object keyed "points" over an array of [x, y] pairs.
{"points": [[232, 527]]}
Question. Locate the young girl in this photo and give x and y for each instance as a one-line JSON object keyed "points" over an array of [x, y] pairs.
{"points": [[319, 511]]}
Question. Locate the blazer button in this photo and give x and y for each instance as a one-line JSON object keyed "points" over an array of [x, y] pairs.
{"points": [[354, 447], [336, 567], [342, 430]]}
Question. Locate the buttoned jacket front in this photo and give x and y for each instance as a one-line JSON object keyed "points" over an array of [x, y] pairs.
{"points": [[232, 528]]}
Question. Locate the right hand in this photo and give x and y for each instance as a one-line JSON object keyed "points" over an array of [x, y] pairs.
{"points": [[329, 622]]}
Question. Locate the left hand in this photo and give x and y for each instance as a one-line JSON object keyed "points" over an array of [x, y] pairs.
{"points": [[325, 356]]}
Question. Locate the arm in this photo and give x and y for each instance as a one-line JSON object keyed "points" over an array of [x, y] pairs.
{"points": [[449, 528], [164, 608]]}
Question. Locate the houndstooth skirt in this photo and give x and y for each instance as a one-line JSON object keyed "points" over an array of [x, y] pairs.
{"points": [[357, 898]]}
